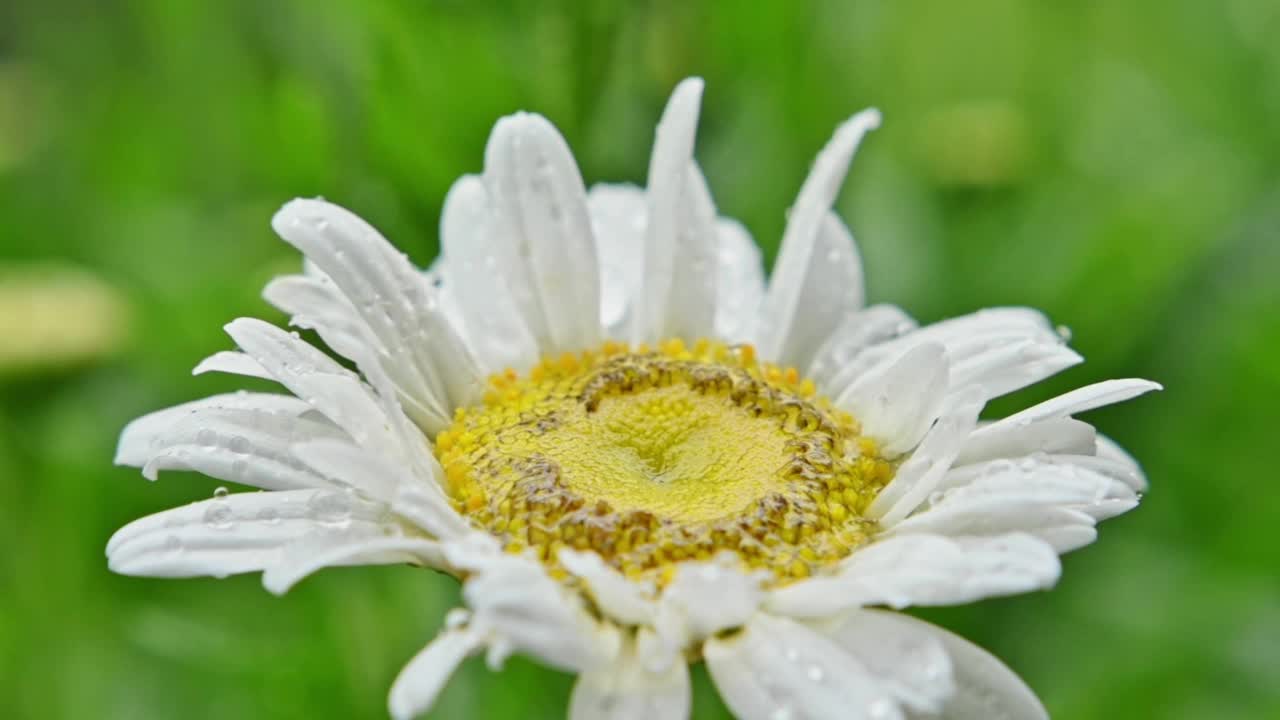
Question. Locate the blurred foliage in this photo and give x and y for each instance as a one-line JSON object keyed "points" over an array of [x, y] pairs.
{"points": [[1112, 163]]}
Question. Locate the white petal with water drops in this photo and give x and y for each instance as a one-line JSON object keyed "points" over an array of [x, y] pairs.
{"points": [[668, 170], [905, 655], [419, 684], [803, 257], [545, 250], [776, 668]]}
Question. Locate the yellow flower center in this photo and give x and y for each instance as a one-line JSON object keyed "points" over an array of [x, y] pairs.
{"points": [[653, 457]]}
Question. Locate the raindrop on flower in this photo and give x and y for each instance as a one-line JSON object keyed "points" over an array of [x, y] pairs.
{"points": [[456, 618], [330, 508], [881, 708], [207, 437], [219, 516], [221, 493]]}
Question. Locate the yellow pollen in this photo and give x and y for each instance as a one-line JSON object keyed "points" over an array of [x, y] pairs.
{"points": [[652, 457]]}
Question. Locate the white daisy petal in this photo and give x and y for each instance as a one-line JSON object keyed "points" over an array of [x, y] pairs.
{"points": [[806, 279], [495, 326], [832, 367], [988, 515], [619, 216], [778, 668], [628, 690], [907, 656], [233, 363], [238, 533], [1052, 435], [519, 607], [243, 438], [617, 597], [419, 351], [313, 376], [139, 437], [668, 173], [314, 303], [691, 301], [924, 570], [1001, 349], [1004, 368], [299, 561], [1077, 401], [705, 598], [898, 403], [378, 478], [832, 292], [923, 471], [1078, 483], [419, 684], [986, 689], [740, 282], [1107, 449], [548, 251]]}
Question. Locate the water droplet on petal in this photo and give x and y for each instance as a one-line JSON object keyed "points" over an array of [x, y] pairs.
{"points": [[815, 673], [207, 437], [221, 493], [456, 618], [330, 508], [880, 708], [219, 516]]}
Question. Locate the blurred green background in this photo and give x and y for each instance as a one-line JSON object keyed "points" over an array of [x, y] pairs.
{"points": [[1117, 164]]}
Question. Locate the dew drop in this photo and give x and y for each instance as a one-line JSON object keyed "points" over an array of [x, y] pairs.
{"points": [[330, 508], [173, 544], [207, 437], [269, 515], [219, 516], [881, 708], [240, 445], [815, 673], [221, 493], [1064, 332], [456, 618]]}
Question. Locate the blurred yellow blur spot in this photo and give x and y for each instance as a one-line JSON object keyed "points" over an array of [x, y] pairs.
{"points": [[976, 143], [55, 316]]}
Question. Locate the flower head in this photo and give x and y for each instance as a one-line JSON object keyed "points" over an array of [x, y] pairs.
{"points": [[634, 455]]}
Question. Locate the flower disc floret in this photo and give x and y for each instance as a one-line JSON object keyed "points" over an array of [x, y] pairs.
{"points": [[651, 457]]}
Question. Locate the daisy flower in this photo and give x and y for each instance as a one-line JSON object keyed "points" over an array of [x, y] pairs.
{"points": [[634, 453]]}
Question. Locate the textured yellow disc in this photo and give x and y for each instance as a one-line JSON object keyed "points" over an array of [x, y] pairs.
{"points": [[652, 457]]}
